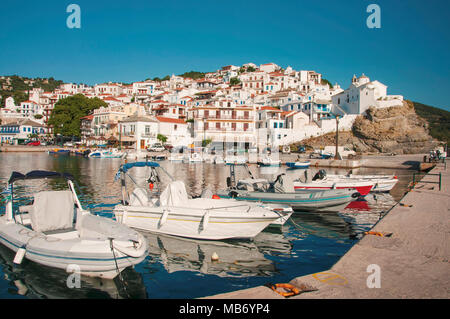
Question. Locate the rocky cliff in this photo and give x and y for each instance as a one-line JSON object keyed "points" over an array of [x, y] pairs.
{"points": [[396, 129]]}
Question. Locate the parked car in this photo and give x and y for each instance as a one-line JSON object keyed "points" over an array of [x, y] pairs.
{"points": [[68, 144], [157, 147], [168, 147], [34, 143]]}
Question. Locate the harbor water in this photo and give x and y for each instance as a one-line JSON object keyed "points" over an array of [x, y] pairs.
{"points": [[182, 268]]}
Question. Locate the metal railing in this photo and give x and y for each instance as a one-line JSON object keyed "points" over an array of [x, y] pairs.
{"points": [[429, 182]]}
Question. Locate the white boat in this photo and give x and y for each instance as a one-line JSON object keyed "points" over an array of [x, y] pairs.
{"points": [[196, 158], [113, 153], [174, 213], [268, 161], [295, 165], [382, 183], [281, 191], [57, 232], [321, 181]]}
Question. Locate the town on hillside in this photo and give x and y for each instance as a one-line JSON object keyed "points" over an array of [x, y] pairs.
{"points": [[249, 106]]}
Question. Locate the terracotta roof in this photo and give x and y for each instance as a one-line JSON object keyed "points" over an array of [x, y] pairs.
{"points": [[170, 120]]}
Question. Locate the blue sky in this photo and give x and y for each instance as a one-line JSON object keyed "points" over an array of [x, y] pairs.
{"points": [[133, 40]]}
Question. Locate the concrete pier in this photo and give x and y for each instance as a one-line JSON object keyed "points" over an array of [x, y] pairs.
{"points": [[411, 260]]}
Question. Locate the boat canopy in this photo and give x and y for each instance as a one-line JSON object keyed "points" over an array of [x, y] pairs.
{"points": [[15, 176], [125, 167]]}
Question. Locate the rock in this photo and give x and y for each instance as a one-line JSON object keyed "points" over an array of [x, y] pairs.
{"points": [[396, 129]]}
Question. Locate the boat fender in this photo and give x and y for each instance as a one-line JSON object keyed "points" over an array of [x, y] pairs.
{"points": [[215, 196], [151, 186], [19, 256], [163, 219], [132, 251], [205, 220], [289, 290]]}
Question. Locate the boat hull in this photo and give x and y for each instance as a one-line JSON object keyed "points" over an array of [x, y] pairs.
{"points": [[363, 188], [301, 200], [92, 258], [193, 222], [297, 165]]}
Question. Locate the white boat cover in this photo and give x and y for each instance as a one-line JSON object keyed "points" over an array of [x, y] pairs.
{"points": [[139, 197], [96, 227], [52, 210], [174, 195], [284, 184]]}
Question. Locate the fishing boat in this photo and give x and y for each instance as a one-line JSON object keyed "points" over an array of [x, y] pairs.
{"points": [[58, 151], [382, 183], [82, 152], [173, 212], [281, 191], [113, 153], [267, 161], [56, 231], [297, 165], [321, 181]]}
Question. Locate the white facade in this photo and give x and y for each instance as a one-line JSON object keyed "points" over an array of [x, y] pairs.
{"points": [[363, 94]]}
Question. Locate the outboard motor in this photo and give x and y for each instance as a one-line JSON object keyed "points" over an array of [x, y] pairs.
{"points": [[320, 175], [229, 182]]}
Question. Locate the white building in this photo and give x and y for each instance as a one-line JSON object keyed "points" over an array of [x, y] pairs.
{"points": [[20, 131], [363, 94]]}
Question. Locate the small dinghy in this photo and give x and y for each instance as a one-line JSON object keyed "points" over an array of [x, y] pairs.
{"points": [[297, 165], [173, 213], [107, 154], [56, 231]]}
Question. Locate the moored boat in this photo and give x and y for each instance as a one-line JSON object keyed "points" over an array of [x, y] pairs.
{"points": [[172, 212], [59, 151], [296, 165], [321, 181], [382, 183], [57, 232], [281, 191], [113, 153]]}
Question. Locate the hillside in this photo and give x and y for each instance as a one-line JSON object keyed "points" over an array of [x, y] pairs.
{"points": [[396, 129], [438, 120], [17, 87]]}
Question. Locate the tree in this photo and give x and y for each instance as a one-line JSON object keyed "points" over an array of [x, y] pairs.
{"points": [[234, 81], [162, 138], [66, 116], [251, 69], [206, 142]]}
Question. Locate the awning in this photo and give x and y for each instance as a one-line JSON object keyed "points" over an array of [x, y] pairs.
{"points": [[37, 175]]}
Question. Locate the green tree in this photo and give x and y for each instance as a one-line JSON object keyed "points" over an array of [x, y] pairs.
{"points": [[234, 81], [251, 69], [162, 138], [206, 142], [67, 114]]}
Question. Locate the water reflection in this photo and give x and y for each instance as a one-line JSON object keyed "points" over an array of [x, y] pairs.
{"points": [[37, 281], [235, 258], [309, 242]]}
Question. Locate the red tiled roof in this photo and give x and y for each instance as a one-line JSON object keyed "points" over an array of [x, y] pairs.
{"points": [[170, 120]]}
